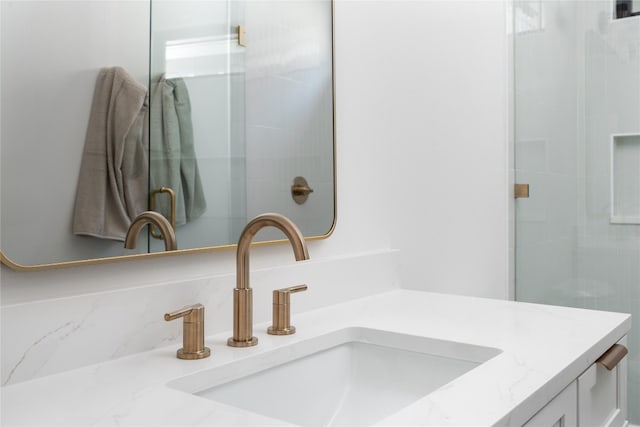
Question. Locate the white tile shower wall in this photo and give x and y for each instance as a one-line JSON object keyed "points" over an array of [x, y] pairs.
{"points": [[43, 338], [577, 85], [608, 255], [546, 95]]}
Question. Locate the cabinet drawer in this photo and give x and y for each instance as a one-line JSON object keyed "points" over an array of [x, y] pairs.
{"points": [[559, 412], [602, 396]]}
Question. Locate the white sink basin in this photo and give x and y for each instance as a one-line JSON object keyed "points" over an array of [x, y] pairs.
{"points": [[351, 377]]}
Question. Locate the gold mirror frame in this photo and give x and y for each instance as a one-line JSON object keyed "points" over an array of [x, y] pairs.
{"points": [[40, 267], [4, 260]]}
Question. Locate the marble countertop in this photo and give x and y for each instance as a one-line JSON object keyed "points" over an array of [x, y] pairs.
{"points": [[543, 348]]}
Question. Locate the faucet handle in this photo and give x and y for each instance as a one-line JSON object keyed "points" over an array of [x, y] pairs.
{"points": [[282, 311], [193, 332]]}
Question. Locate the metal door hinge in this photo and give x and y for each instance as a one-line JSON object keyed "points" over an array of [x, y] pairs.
{"points": [[521, 191], [241, 35]]}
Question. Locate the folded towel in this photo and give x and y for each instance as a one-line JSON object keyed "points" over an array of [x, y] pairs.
{"points": [[113, 181], [173, 160]]}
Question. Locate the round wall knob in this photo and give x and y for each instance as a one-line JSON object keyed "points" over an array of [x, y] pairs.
{"points": [[300, 190]]}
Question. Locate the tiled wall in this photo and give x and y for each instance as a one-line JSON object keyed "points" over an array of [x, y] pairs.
{"points": [[608, 254], [546, 95], [577, 86]]}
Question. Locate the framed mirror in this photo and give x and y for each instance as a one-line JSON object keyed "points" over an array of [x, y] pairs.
{"points": [[107, 104]]}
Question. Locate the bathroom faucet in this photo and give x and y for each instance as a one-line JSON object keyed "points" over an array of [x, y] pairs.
{"points": [[192, 332], [243, 294], [155, 218]]}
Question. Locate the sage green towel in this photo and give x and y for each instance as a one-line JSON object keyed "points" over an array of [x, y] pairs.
{"points": [[173, 160], [113, 180]]}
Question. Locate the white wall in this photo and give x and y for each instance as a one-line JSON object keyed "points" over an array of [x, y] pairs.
{"points": [[421, 167], [432, 92]]}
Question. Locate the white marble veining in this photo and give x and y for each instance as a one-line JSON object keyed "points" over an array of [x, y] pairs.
{"points": [[51, 336], [543, 349]]}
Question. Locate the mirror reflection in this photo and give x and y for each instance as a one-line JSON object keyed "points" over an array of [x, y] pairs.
{"points": [[208, 121]]}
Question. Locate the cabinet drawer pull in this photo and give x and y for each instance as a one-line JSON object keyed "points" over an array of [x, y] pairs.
{"points": [[612, 356]]}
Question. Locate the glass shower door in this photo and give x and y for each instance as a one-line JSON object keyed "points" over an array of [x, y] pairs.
{"points": [[196, 132], [577, 144]]}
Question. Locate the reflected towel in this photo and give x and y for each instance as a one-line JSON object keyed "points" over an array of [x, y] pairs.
{"points": [[173, 160], [113, 181]]}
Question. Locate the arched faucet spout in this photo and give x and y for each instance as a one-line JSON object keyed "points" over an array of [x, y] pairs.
{"points": [[243, 294], [155, 218], [251, 229]]}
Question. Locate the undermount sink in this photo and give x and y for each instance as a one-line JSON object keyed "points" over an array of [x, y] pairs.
{"points": [[354, 376]]}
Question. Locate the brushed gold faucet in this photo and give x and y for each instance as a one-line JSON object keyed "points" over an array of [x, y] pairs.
{"points": [[243, 294], [193, 332], [155, 218], [282, 311]]}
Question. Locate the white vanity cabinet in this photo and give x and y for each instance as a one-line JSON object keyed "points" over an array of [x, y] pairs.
{"points": [[602, 396], [597, 398], [560, 412]]}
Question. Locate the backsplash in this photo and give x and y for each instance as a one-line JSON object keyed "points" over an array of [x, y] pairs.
{"points": [[54, 335]]}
